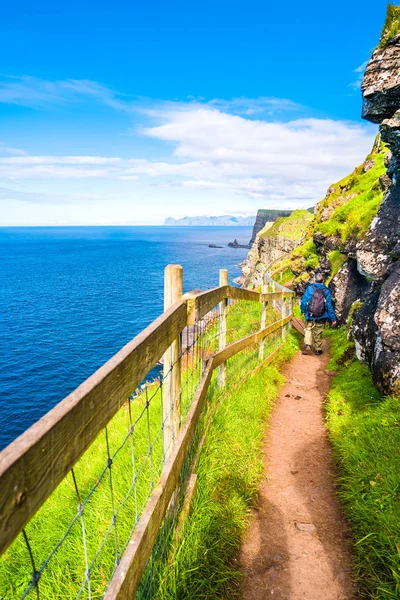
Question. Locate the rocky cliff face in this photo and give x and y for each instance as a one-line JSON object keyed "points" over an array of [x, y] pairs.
{"points": [[354, 236], [376, 326], [265, 216], [341, 221], [274, 242]]}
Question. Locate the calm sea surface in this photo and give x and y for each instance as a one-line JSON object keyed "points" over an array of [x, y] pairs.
{"points": [[70, 297]]}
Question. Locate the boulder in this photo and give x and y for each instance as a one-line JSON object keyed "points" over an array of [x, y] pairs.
{"points": [[347, 286], [381, 83], [387, 318]]}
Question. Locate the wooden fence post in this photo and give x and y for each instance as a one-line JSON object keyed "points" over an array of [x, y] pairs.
{"points": [[173, 280], [273, 289], [264, 290], [223, 310], [283, 315]]}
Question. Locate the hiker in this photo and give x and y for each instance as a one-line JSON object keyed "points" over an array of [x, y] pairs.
{"points": [[316, 305]]}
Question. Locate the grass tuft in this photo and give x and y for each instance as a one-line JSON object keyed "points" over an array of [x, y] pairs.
{"points": [[392, 24], [364, 428]]}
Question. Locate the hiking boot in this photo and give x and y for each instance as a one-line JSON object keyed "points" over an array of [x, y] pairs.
{"points": [[306, 350], [318, 352]]}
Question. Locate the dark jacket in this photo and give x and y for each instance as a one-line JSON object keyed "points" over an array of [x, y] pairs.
{"points": [[328, 314]]}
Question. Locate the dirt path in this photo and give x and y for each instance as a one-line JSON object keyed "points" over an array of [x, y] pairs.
{"points": [[297, 546]]}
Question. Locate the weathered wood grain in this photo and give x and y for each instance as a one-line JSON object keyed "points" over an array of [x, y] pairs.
{"points": [[275, 296], [249, 340], [242, 294], [223, 311], [36, 462], [206, 301], [172, 368], [263, 323]]}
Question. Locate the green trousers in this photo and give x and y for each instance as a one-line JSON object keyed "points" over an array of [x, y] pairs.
{"points": [[313, 334]]}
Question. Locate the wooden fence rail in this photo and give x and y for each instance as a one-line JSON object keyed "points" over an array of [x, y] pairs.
{"points": [[35, 463]]}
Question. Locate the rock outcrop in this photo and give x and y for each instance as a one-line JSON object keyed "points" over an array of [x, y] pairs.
{"points": [[341, 222], [381, 83], [376, 326], [265, 216], [273, 243]]}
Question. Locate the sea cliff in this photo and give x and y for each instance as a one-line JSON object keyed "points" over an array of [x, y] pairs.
{"points": [[354, 235]]}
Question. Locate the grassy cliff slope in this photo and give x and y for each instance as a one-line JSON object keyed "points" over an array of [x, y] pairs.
{"points": [[291, 228], [364, 428], [341, 218]]}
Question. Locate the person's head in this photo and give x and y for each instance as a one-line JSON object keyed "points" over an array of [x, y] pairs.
{"points": [[319, 278]]}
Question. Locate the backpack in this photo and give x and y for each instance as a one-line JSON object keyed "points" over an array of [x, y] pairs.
{"points": [[316, 306]]}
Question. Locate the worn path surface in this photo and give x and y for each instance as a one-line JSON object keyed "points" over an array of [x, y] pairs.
{"points": [[297, 546]]}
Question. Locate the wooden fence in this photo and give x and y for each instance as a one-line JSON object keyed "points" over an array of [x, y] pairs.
{"points": [[35, 463]]}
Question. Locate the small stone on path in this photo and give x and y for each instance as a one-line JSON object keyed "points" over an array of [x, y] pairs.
{"points": [[306, 527]]}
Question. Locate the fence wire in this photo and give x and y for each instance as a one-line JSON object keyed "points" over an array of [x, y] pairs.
{"points": [[71, 548]]}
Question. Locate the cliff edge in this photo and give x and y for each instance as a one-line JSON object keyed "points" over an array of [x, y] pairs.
{"points": [[354, 236]]}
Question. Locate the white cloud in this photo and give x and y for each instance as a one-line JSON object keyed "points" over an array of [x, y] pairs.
{"points": [[292, 161], [271, 162]]}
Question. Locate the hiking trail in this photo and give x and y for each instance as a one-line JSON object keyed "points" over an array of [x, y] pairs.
{"points": [[297, 545]]}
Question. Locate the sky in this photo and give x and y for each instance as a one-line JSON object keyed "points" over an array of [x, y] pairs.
{"points": [[126, 113]]}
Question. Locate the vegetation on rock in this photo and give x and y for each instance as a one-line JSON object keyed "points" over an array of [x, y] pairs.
{"points": [[341, 219], [353, 202], [292, 227], [392, 24]]}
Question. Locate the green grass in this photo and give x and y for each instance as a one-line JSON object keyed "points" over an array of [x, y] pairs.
{"points": [[356, 199], [65, 572], [274, 214], [287, 275], [392, 24], [364, 428], [292, 227], [336, 261], [229, 473]]}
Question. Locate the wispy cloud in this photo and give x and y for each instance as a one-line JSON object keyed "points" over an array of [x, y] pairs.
{"points": [[9, 150], [255, 106], [8, 194], [356, 84], [34, 92]]}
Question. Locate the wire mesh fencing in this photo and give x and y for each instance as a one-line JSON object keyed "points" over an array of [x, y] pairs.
{"points": [[73, 545]]}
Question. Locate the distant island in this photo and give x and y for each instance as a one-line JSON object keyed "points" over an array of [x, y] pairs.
{"points": [[222, 221]]}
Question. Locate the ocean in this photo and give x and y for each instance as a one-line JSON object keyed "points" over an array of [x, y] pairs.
{"points": [[71, 297]]}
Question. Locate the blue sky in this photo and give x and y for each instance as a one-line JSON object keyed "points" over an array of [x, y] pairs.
{"points": [[129, 112]]}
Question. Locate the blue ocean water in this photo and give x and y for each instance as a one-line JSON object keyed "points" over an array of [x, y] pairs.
{"points": [[71, 297]]}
